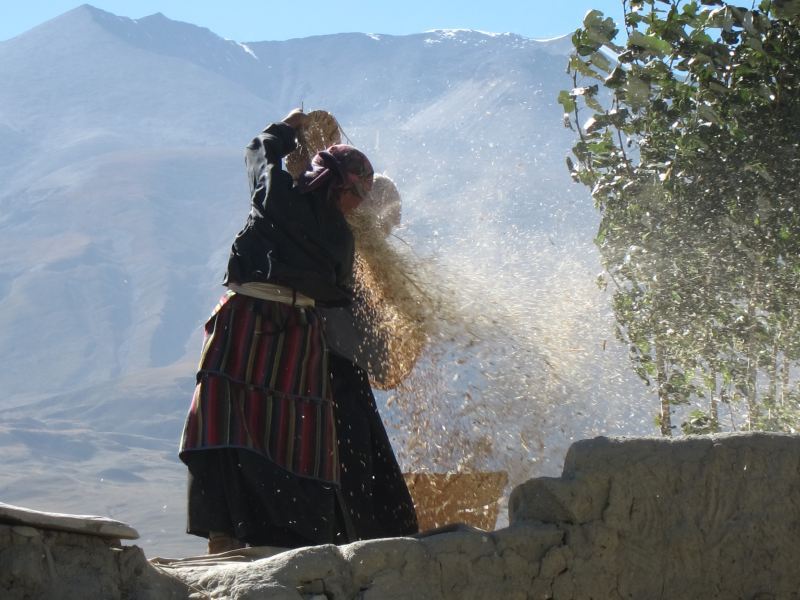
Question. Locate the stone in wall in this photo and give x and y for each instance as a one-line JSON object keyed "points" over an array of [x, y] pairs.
{"points": [[41, 564], [699, 517]]}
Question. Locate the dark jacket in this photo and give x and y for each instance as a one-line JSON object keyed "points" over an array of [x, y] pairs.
{"points": [[298, 240]]}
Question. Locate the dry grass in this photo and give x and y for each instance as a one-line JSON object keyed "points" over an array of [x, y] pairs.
{"points": [[396, 299], [416, 316]]}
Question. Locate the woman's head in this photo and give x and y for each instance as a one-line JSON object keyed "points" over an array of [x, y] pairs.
{"points": [[347, 172]]}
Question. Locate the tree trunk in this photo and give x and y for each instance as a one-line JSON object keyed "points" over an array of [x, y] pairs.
{"points": [[752, 363], [772, 371], [785, 378], [713, 408], [665, 416], [752, 400]]}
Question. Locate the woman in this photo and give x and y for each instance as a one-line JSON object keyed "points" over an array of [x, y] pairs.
{"points": [[260, 440]]}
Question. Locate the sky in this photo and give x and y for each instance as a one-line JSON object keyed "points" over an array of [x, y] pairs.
{"points": [[262, 20]]}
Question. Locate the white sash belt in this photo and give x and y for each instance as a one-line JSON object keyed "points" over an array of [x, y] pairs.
{"points": [[270, 291]]}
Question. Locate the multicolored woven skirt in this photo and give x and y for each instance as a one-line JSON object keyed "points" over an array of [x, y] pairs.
{"points": [[263, 383]]}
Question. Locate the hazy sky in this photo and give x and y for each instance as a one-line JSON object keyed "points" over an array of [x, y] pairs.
{"points": [[259, 20]]}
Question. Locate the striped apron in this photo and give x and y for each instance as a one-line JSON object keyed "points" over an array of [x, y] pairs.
{"points": [[263, 383]]}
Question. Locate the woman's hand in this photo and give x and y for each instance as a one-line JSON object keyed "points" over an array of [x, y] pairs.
{"points": [[296, 119]]}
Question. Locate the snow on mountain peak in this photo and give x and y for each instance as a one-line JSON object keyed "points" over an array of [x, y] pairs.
{"points": [[561, 45], [456, 33], [247, 49], [466, 36]]}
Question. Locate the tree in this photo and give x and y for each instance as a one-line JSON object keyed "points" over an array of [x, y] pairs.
{"points": [[690, 147]]}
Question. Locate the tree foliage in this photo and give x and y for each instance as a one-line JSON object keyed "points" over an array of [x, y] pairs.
{"points": [[687, 133]]}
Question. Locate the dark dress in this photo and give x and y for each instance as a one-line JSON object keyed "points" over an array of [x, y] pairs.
{"points": [[373, 490]]}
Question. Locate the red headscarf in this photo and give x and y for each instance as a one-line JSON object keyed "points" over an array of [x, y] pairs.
{"points": [[340, 165]]}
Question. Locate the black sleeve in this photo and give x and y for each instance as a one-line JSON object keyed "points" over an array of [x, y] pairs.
{"points": [[267, 149]]}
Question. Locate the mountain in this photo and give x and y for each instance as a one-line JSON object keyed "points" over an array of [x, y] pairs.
{"points": [[121, 187]]}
